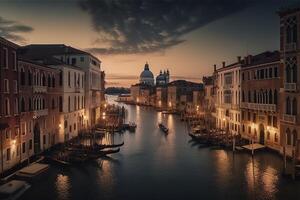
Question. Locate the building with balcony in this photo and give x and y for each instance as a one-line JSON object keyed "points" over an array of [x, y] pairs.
{"points": [[9, 109], [38, 100], [260, 89], [228, 90], [290, 96], [80, 59]]}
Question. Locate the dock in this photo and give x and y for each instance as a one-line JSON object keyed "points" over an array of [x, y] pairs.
{"points": [[255, 146]]}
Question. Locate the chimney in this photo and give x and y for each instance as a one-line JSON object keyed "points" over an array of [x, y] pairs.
{"points": [[223, 63], [215, 67], [239, 59], [245, 60], [249, 59]]}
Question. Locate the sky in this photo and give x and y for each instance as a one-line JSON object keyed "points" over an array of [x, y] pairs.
{"points": [[185, 36]]}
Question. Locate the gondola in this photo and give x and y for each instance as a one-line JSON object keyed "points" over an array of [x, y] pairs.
{"points": [[163, 128]]}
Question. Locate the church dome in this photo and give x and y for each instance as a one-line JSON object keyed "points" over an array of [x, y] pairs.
{"points": [[146, 73]]}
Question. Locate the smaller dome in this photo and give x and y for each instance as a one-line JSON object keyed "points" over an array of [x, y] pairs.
{"points": [[160, 77]]}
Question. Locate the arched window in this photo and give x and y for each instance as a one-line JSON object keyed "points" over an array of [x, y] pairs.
{"points": [[294, 106], [22, 77], [6, 107], [60, 77], [30, 104], [43, 103], [243, 96], [53, 104], [254, 96], [249, 96], [66, 124], [22, 105], [270, 96], [49, 80], [275, 97], [288, 137], [288, 73], [16, 111], [294, 137], [43, 79], [288, 106], [29, 77], [53, 81], [60, 104], [294, 72]]}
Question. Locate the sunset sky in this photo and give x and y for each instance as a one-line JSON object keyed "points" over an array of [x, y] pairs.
{"points": [[185, 36]]}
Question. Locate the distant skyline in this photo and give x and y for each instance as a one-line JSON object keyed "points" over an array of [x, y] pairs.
{"points": [[186, 37]]}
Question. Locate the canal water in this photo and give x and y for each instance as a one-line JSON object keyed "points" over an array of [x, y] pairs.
{"points": [[152, 165]]}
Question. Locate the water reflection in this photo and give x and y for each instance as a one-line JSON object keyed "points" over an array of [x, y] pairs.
{"points": [[63, 186]]}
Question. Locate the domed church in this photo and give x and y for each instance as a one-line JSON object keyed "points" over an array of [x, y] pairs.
{"points": [[146, 76], [163, 78]]}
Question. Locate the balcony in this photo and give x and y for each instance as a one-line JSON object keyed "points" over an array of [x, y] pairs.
{"points": [[292, 87], [39, 89], [259, 106], [40, 113], [289, 118], [291, 47]]}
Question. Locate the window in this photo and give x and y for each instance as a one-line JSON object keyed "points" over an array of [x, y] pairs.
{"points": [[53, 81], [268, 135], [69, 103], [44, 139], [53, 103], [74, 126], [17, 131], [8, 154], [81, 59], [5, 58], [15, 86], [29, 78], [275, 121], [49, 80], [73, 61], [23, 147], [276, 137], [275, 72], [6, 86], [22, 105], [7, 134], [23, 128], [30, 144], [16, 110], [70, 128], [60, 78], [60, 104], [66, 124], [270, 72], [69, 78], [288, 137], [22, 76], [294, 106], [6, 107]]}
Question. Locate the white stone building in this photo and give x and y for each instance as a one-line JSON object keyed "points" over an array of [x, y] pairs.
{"points": [[229, 97]]}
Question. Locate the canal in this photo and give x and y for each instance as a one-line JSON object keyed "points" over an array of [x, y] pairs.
{"points": [[152, 165]]}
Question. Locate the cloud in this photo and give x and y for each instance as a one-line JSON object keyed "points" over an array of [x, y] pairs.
{"points": [[146, 26], [11, 30]]}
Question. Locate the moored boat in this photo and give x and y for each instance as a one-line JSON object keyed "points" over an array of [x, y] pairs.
{"points": [[163, 128], [13, 189]]}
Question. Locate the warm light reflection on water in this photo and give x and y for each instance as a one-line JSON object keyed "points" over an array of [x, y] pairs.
{"points": [[153, 165], [63, 186]]}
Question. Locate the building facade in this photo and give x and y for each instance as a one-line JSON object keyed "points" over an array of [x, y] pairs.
{"points": [[261, 83], [228, 97], [290, 98], [9, 109]]}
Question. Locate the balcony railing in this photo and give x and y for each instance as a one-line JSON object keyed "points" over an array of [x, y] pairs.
{"points": [[289, 118], [40, 113], [39, 89], [259, 106], [291, 47], [290, 86]]}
